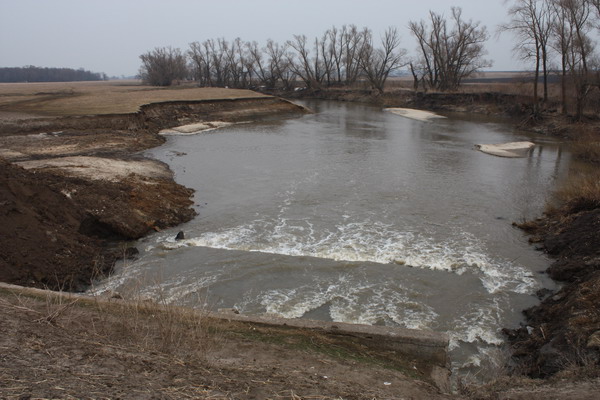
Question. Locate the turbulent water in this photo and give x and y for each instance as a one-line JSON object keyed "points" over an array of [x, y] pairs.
{"points": [[358, 215]]}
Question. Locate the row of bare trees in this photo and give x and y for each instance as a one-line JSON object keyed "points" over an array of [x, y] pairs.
{"points": [[341, 56], [561, 30], [554, 35]]}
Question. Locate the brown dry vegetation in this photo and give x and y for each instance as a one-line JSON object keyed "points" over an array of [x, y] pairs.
{"points": [[92, 98], [580, 192], [64, 347]]}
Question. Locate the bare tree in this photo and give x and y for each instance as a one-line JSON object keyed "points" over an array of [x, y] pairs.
{"points": [[343, 47], [200, 63], [262, 67], [162, 66], [578, 18], [531, 22], [353, 43], [596, 4], [450, 55], [378, 63], [328, 56], [561, 42], [303, 65]]}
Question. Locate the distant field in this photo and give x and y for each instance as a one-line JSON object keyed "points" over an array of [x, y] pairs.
{"points": [[112, 97]]}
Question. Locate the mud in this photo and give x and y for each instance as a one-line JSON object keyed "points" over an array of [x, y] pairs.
{"points": [[74, 190]]}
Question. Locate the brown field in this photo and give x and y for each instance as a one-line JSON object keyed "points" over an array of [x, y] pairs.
{"points": [[109, 97]]}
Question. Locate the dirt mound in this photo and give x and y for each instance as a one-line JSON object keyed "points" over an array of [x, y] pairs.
{"points": [[87, 188], [41, 244], [58, 231]]}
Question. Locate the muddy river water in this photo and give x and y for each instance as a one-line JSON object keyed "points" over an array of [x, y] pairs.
{"points": [[359, 215]]}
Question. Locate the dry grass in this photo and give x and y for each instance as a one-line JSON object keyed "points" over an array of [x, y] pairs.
{"points": [[586, 147], [183, 333], [96, 348], [175, 331], [111, 97], [581, 192]]}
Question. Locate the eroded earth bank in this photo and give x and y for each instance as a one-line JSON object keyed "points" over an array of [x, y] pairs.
{"points": [[75, 189]]}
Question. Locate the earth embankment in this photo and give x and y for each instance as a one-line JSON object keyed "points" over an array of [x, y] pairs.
{"points": [[75, 188]]}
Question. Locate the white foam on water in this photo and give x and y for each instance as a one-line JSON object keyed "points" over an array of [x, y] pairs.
{"points": [[347, 302], [476, 325], [136, 281], [369, 241], [177, 290], [383, 305]]}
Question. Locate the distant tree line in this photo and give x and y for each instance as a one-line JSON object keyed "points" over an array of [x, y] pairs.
{"points": [[40, 74], [341, 56]]}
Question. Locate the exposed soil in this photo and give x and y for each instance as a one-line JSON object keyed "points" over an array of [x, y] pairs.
{"points": [[563, 332], [516, 107], [85, 187]]}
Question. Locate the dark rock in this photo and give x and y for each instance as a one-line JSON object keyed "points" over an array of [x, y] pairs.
{"points": [[180, 236], [543, 293]]}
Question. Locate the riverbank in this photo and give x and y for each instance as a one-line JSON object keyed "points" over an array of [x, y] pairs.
{"points": [[514, 107], [79, 183]]}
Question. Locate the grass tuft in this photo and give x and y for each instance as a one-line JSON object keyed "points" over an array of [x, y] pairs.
{"points": [[581, 192], [587, 148]]}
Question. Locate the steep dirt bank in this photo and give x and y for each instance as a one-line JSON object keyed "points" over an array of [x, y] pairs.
{"points": [[515, 107], [151, 117], [563, 332], [482, 103], [72, 188]]}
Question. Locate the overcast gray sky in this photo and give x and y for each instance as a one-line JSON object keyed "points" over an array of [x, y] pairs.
{"points": [[109, 35]]}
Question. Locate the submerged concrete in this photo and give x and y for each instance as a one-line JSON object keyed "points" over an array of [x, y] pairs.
{"points": [[423, 345]]}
